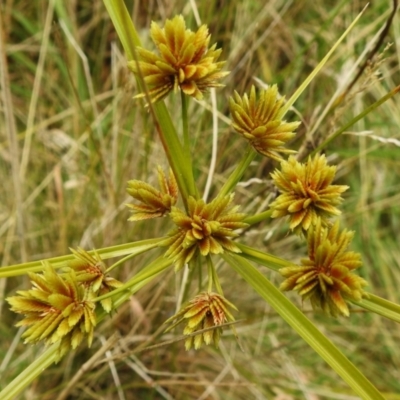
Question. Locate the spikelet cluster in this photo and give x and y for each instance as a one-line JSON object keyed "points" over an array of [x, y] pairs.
{"points": [[153, 202], [60, 306], [207, 228], [206, 310], [326, 277], [57, 308], [259, 120], [307, 193], [185, 61]]}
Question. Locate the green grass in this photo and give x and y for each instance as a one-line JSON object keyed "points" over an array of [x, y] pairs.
{"points": [[84, 137]]}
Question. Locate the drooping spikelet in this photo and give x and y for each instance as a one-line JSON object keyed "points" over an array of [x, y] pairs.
{"points": [[259, 120], [154, 203], [206, 228], [306, 192], [326, 277], [57, 308], [206, 310], [185, 61]]}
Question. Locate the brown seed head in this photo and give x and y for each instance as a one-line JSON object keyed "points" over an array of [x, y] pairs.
{"points": [[259, 120], [56, 308], [326, 277], [154, 203], [185, 61], [306, 192], [206, 228], [206, 310]]}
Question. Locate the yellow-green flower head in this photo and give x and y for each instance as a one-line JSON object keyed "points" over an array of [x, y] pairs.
{"points": [[206, 310], [90, 272], [206, 228], [325, 277], [57, 308], [306, 192], [185, 61], [259, 120], [154, 203]]}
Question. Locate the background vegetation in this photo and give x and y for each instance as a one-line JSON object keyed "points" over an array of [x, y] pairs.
{"points": [[71, 136]]}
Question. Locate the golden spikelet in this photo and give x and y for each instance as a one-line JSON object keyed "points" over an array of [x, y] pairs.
{"points": [[153, 203], [206, 310], [259, 120], [326, 277], [57, 308], [306, 192], [185, 61], [206, 228]]}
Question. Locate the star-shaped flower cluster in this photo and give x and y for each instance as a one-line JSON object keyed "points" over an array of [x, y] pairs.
{"points": [[185, 61], [326, 277]]}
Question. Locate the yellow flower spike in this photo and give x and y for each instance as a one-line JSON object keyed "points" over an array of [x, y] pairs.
{"points": [[206, 228], [306, 192], [325, 277], [185, 61], [154, 203], [90, 272], [57, 307], [206, 310], [259, 120]]}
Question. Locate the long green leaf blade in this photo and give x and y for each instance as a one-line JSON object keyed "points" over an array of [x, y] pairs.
{"points": [[380, 306], [173, 148], [260, 257], [105, 253], [304, 327]]}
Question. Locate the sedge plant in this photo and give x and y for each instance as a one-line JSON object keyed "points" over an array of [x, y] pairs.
{"points": [[70, 295]]}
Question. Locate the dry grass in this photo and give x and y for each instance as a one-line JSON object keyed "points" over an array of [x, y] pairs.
{"points": [[71, 136]]}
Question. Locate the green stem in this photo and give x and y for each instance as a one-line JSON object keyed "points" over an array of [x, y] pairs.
{"points": [[210, 274], [357, 118], [237, 174], [185, 125], [119, 262], [186, 141], [200, 277], [175, 152], [123, 25], [133, 248], [254, 219], [30, 373], [213, 279], [162, 119], [380, 306], [268, 260], [216, 281], [154, 268]]}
